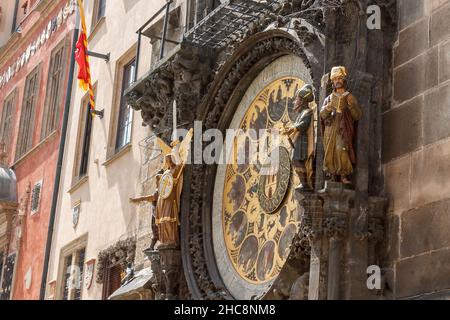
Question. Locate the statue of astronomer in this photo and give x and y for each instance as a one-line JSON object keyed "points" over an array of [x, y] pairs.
{"points": [[302, 136]]}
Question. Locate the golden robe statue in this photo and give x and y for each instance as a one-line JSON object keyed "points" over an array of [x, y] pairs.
{"points": [[339, 116], [167, 198], [168, 204], [170, 186]]}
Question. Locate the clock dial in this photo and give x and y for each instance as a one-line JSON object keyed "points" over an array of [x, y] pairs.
{"points": [[260, 216]]}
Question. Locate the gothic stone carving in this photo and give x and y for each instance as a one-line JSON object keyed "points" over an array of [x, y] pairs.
{"points": [[157, 282], [335, 227], [181, 79], [122, 252], [268, 47], [171, 269]]}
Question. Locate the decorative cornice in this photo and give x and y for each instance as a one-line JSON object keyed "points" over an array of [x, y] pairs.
{"points": [[9, 50]]}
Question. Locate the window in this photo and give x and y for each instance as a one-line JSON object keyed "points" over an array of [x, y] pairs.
{"points": [[25, 138], [84, 160], [125, 121], [99, 12], [36, 197], [113, 280], [56, 75], [7, 119], [84, 140], [7, 277], [73, 275], [66, 279]]}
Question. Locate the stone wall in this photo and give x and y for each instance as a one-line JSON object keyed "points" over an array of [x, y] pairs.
{"points": [[416, 152]]}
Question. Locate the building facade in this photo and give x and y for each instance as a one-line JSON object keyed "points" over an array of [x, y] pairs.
{"points": [[33, 78], [127, 227], [101, 171], [396, 56]]}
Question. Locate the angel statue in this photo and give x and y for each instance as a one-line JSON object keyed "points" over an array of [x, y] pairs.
{"points": [[168, 195]]}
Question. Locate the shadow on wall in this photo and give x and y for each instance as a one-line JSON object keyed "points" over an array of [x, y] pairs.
{"points": [[129, 4], [123, 182]]}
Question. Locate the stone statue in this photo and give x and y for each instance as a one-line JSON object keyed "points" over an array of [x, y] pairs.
{"points": [[167, 198], [302, 133], [168, 203], [339, 116]]}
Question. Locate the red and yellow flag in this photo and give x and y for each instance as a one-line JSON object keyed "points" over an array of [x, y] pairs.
{"points": [[82, 58]]}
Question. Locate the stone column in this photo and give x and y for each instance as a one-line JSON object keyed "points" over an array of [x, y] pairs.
{"points": [[377, 214], [158, 281], [171, 269], [337, 204], [312, 229]]}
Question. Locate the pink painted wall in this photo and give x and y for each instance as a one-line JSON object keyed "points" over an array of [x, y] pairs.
{"points": [[41, 163]]}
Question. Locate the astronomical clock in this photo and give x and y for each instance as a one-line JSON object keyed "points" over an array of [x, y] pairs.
{"points": [[256, 214]]}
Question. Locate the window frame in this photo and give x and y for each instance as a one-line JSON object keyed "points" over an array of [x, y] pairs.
{"points": [[34, 211], [118, 146], [9, 104], [85, 119], [71, 250], [10, 261], [112, 152], [73, 294], [97, 15], [52, 106], [25, 139]]}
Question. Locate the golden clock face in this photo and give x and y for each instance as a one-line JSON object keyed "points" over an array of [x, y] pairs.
{"points": [[260, 216]]}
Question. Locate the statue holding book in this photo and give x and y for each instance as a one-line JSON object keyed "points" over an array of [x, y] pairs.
{"points": [[340, 114]]}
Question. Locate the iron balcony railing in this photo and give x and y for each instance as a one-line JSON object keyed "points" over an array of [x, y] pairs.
{"points": [[216, 30]]}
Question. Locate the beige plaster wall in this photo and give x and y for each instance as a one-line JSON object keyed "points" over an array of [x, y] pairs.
{"points": [[106, 214]]}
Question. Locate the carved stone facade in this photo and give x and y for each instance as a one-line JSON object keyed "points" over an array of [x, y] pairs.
{"points": [[341, 229]]}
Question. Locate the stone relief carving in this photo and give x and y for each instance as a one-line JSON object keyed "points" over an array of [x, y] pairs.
{"points": [[335, 227], [186, 78]]}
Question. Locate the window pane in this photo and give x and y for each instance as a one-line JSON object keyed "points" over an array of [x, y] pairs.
{"points": [[79, 281], [84, 163], [101, 9], [6, 124], [125, 112], [8, 272], [66, 278], [53, 93], [25, 139]]}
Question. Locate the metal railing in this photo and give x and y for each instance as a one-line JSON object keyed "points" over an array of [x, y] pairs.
{"points": [[215, 30], [163, 37]]}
